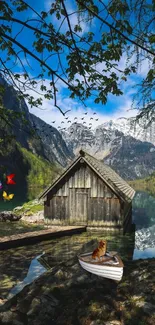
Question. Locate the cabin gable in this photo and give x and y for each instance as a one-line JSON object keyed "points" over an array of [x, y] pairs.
{"points": [[89, 193], [82, 176], [81, 197]]}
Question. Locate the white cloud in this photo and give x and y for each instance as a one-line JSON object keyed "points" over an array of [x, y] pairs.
{"points": [[47, 4], [142, 68], [119, 107], [48, 113], [26, 62], [73, 18]]}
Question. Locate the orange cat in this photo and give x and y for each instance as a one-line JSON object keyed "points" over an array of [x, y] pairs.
{"points": [[101, 250]]}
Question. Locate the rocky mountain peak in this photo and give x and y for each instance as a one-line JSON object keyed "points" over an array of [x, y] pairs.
{"points": [[140, 129], [130, 157]]}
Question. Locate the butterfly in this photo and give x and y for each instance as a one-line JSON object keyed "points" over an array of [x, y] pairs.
{"points": [[1, 185], [10, 180], [7, 197]]}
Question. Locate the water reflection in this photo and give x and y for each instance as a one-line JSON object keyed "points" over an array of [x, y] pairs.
{"points": [[144, 218], [20, 197], [143, 210], [34, 271], [147, 253], [20, 266]]}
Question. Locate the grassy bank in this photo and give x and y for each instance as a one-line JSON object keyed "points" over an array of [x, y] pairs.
{"points": [[29, 208]]}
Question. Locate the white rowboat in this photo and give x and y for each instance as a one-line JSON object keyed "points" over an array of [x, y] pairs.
{"points": [[110, 267]]}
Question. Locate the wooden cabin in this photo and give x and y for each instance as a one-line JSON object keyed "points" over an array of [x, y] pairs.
{"points": [[88, 193]]}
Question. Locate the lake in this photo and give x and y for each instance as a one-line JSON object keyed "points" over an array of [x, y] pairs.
{"points": [[20, 197], [20, 266]]}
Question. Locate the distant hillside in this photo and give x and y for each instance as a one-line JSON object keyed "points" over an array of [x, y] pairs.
{"points": [[46, 141], [32, 175], [145, 184]]}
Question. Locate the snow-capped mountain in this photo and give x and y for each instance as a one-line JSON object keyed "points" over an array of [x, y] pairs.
{"points": [[98, 142], [130, 157], [144, 238], [141, 130]]}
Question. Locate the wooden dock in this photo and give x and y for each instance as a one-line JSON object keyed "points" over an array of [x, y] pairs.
{"points": [[29, 238]]}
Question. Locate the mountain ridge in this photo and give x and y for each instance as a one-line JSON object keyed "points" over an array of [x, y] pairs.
{"points": [[128, 156], [52, 148]]}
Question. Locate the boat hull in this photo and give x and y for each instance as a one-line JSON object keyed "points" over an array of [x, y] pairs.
{"points": [[114, 272]]}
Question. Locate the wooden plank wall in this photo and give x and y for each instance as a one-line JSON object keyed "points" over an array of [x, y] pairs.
{"points": [[84, 177], [104, 211], [65, 205]]}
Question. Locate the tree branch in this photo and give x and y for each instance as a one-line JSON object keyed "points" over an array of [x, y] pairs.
{"points": [[55, 96], [35, 57], [115, 29], [36, 30]]}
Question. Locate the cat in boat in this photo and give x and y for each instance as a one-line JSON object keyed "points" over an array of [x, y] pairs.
{"points": [[100, 250]]}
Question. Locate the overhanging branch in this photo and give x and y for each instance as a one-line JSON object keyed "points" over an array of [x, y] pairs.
{"points": [[115, 29]]}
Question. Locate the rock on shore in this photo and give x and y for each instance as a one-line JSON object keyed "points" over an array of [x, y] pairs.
{"points": [[9, 216], [69, 295]]}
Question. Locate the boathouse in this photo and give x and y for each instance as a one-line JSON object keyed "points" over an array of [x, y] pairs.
{"points": [[88, 193]]}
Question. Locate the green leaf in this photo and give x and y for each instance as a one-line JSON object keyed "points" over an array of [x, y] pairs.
{"points": [[97, 100], [151, 75], [124, 78], [152, 39], [44, 14]]}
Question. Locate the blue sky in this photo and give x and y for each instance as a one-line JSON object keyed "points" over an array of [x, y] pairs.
{"points": [[115, 108]]}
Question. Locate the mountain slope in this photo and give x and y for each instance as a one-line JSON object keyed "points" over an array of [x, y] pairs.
{"points": [[53, 146], [140, 130], [35, 159], [47, 142], [130, 157]]}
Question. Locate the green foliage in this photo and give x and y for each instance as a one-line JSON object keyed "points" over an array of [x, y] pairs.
{"points": [[30, 208], [147, 184], [7, 139], [9, 120], [40, 172], [123, 28], [32, 171]]}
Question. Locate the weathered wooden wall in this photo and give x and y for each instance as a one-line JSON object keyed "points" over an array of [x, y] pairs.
{"points": [[83, 198]]}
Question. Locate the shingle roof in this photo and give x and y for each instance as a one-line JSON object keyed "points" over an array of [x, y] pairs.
{"points": [[119, 185], [109, 176]]}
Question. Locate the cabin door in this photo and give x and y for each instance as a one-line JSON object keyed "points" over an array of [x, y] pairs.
{"points": [[78, 206]]}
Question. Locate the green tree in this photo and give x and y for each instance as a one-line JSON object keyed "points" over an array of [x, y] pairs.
{"points": [[66, 53]]}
